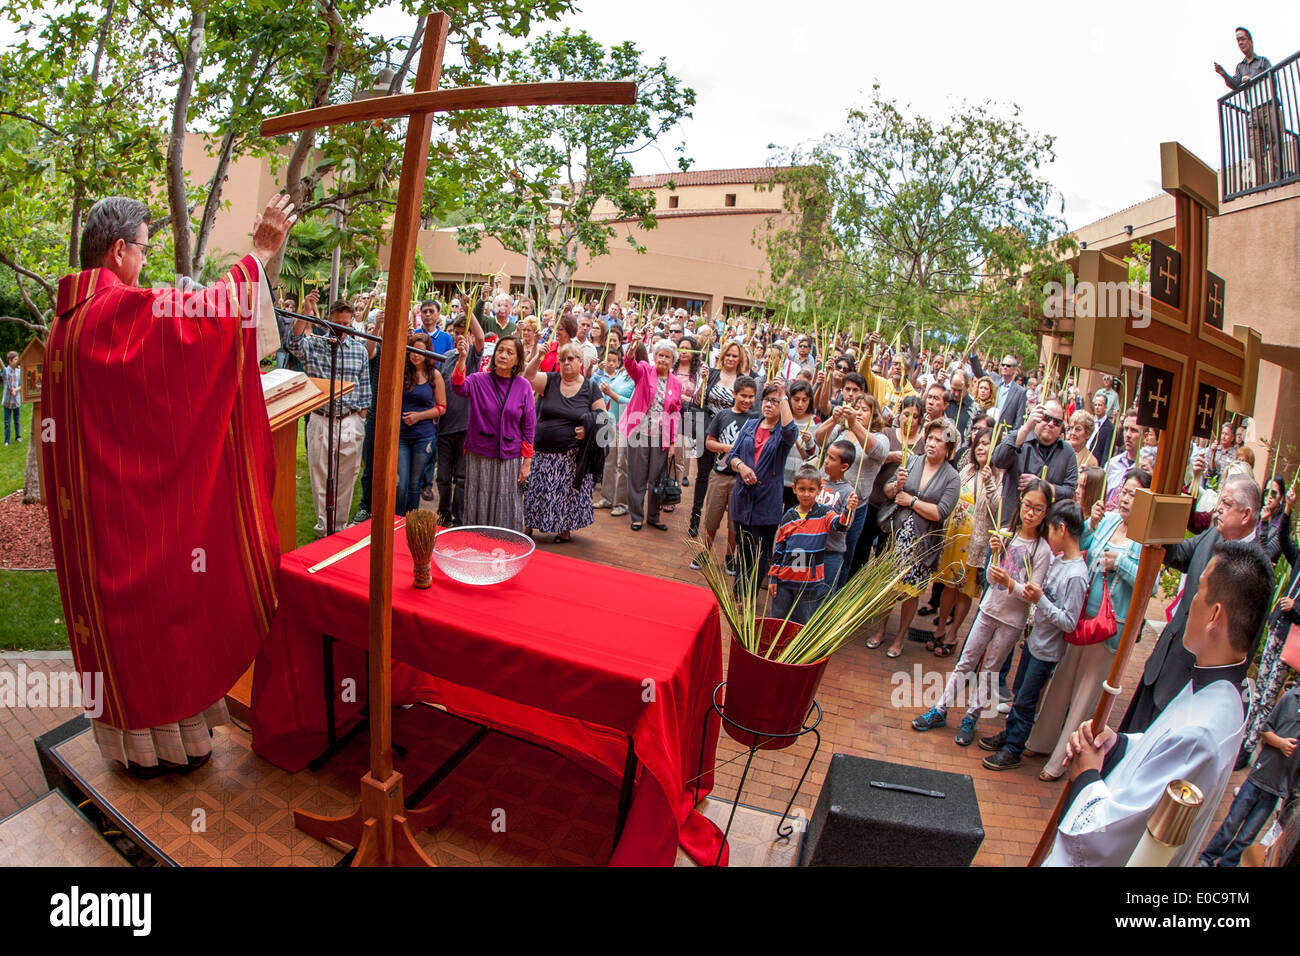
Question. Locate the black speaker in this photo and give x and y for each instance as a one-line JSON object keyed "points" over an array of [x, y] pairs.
{"points": [[857, 824]]}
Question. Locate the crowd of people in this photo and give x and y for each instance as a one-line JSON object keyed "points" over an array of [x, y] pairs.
{"points": [[1010, 490]]}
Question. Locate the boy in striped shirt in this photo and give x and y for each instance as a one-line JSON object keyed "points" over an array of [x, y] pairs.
{"points": [[798, 582]]}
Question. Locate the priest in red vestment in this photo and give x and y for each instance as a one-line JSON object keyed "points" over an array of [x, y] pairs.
{"points": [[157, 456]]}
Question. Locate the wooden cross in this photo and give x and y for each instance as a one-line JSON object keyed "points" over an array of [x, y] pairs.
{"points": [[1179, 340], [382, 829], [81, 630], [57, 366]]}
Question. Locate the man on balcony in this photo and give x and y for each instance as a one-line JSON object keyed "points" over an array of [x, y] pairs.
{"points": [[1260, 104]]}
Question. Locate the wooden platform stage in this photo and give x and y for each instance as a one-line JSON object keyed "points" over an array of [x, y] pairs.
{"points": [[513, 803]]}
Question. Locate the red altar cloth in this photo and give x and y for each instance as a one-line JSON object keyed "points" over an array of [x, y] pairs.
{"points": [[568, 653]]}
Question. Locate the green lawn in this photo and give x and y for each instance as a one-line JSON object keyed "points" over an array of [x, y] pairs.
{"points": [[31, 615]]}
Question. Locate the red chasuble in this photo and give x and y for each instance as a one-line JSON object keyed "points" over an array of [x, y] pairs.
{"points": [[160, 474]]}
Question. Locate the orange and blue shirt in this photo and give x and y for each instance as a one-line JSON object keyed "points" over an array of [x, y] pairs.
{"points": [[800, 550]]}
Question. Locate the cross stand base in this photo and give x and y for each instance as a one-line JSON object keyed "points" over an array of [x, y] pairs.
{"points": [[382, 830], [760, 738]]}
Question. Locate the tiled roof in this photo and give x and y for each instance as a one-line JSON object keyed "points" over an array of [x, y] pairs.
{"points": [[705, 177], [690, 213]]}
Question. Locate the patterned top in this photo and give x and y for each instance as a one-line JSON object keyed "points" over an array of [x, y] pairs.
{"points": [[354, 365]]}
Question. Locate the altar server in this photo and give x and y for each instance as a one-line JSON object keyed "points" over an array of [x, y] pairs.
{"points": [[1117, 780]]}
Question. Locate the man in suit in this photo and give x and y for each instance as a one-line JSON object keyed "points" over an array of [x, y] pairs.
{"points": [[1169, 667], [1010, 407], [1011, 395], [1102, 440], [1023, 458]]}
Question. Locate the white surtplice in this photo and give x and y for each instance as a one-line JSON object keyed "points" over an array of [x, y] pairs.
{"points": [[1195, 738]]}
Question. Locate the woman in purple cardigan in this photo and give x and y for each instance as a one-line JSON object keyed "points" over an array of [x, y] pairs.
{"points": [[499, 442], [650, 423]]}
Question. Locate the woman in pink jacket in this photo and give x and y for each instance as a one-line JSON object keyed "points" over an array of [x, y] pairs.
{"points": [[650, 423]]}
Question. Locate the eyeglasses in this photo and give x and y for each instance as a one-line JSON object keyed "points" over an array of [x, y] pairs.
{"points": [[145, 247], [1050, 420], [1008, 364], [675, 331], [1027, 508]]}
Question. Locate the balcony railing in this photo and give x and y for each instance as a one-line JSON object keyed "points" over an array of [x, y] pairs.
{"points": [[1259, 131]]}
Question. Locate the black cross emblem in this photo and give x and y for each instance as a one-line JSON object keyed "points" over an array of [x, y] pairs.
{"points": [[1215, 288], [1207, 400]]}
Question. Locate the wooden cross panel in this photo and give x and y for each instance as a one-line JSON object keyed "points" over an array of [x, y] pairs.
{"points": [[1179, 340]]}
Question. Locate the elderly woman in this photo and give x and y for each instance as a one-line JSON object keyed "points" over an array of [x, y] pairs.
{"points": [[650, 425], [921, 496], [758, 459], [558, 498], [499, 441], [688, 372], [1076, 684], [1081, 426]]}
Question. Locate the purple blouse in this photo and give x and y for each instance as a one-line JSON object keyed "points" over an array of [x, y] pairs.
{"points": [[502, 414]]}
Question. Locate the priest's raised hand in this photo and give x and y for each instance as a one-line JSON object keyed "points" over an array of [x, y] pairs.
{"points": [[272, 226]]}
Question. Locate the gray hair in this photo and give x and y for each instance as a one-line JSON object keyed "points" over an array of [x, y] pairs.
{"points": [[1246, 491], [109, 220], [503, 295], [664, 345]]}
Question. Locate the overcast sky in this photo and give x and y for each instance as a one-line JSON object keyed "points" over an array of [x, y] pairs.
{"points": [[1110, 87]]}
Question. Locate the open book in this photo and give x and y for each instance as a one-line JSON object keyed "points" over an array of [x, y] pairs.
{"points": [[284, 388]]}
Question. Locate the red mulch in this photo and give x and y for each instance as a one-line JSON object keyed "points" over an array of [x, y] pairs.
{"points": [[24, 535]]}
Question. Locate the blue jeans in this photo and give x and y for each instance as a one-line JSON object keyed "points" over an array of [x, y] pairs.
{"points": [[1031, 677], [368, 463], [797, 601], [412, 455], [850, 543], [1246, 817], [17, 415], [832, 563]]}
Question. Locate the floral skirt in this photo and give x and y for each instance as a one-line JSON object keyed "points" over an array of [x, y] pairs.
{"points": [[552, 505], [920, 564]]}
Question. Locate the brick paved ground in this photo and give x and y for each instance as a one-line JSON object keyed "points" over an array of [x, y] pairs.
{"points": [[855, 694]]}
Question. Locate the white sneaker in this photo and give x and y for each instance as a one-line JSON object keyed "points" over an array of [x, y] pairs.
{"points": [[1004, 708], [603, 503], [619, 511]]}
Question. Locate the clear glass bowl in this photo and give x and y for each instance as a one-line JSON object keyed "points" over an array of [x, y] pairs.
{"points": [[479, 554]]}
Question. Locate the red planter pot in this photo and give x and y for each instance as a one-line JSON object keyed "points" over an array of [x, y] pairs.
{"points": [[766, 696]]}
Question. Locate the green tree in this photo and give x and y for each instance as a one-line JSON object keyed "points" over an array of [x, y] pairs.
{"points": [[513, 162], [914, 225]]}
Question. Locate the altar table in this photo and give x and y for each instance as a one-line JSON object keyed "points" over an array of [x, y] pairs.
{"points": [[576, 656]]}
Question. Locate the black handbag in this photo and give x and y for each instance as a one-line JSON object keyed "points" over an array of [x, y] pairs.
{"points": [[666, 488]]}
